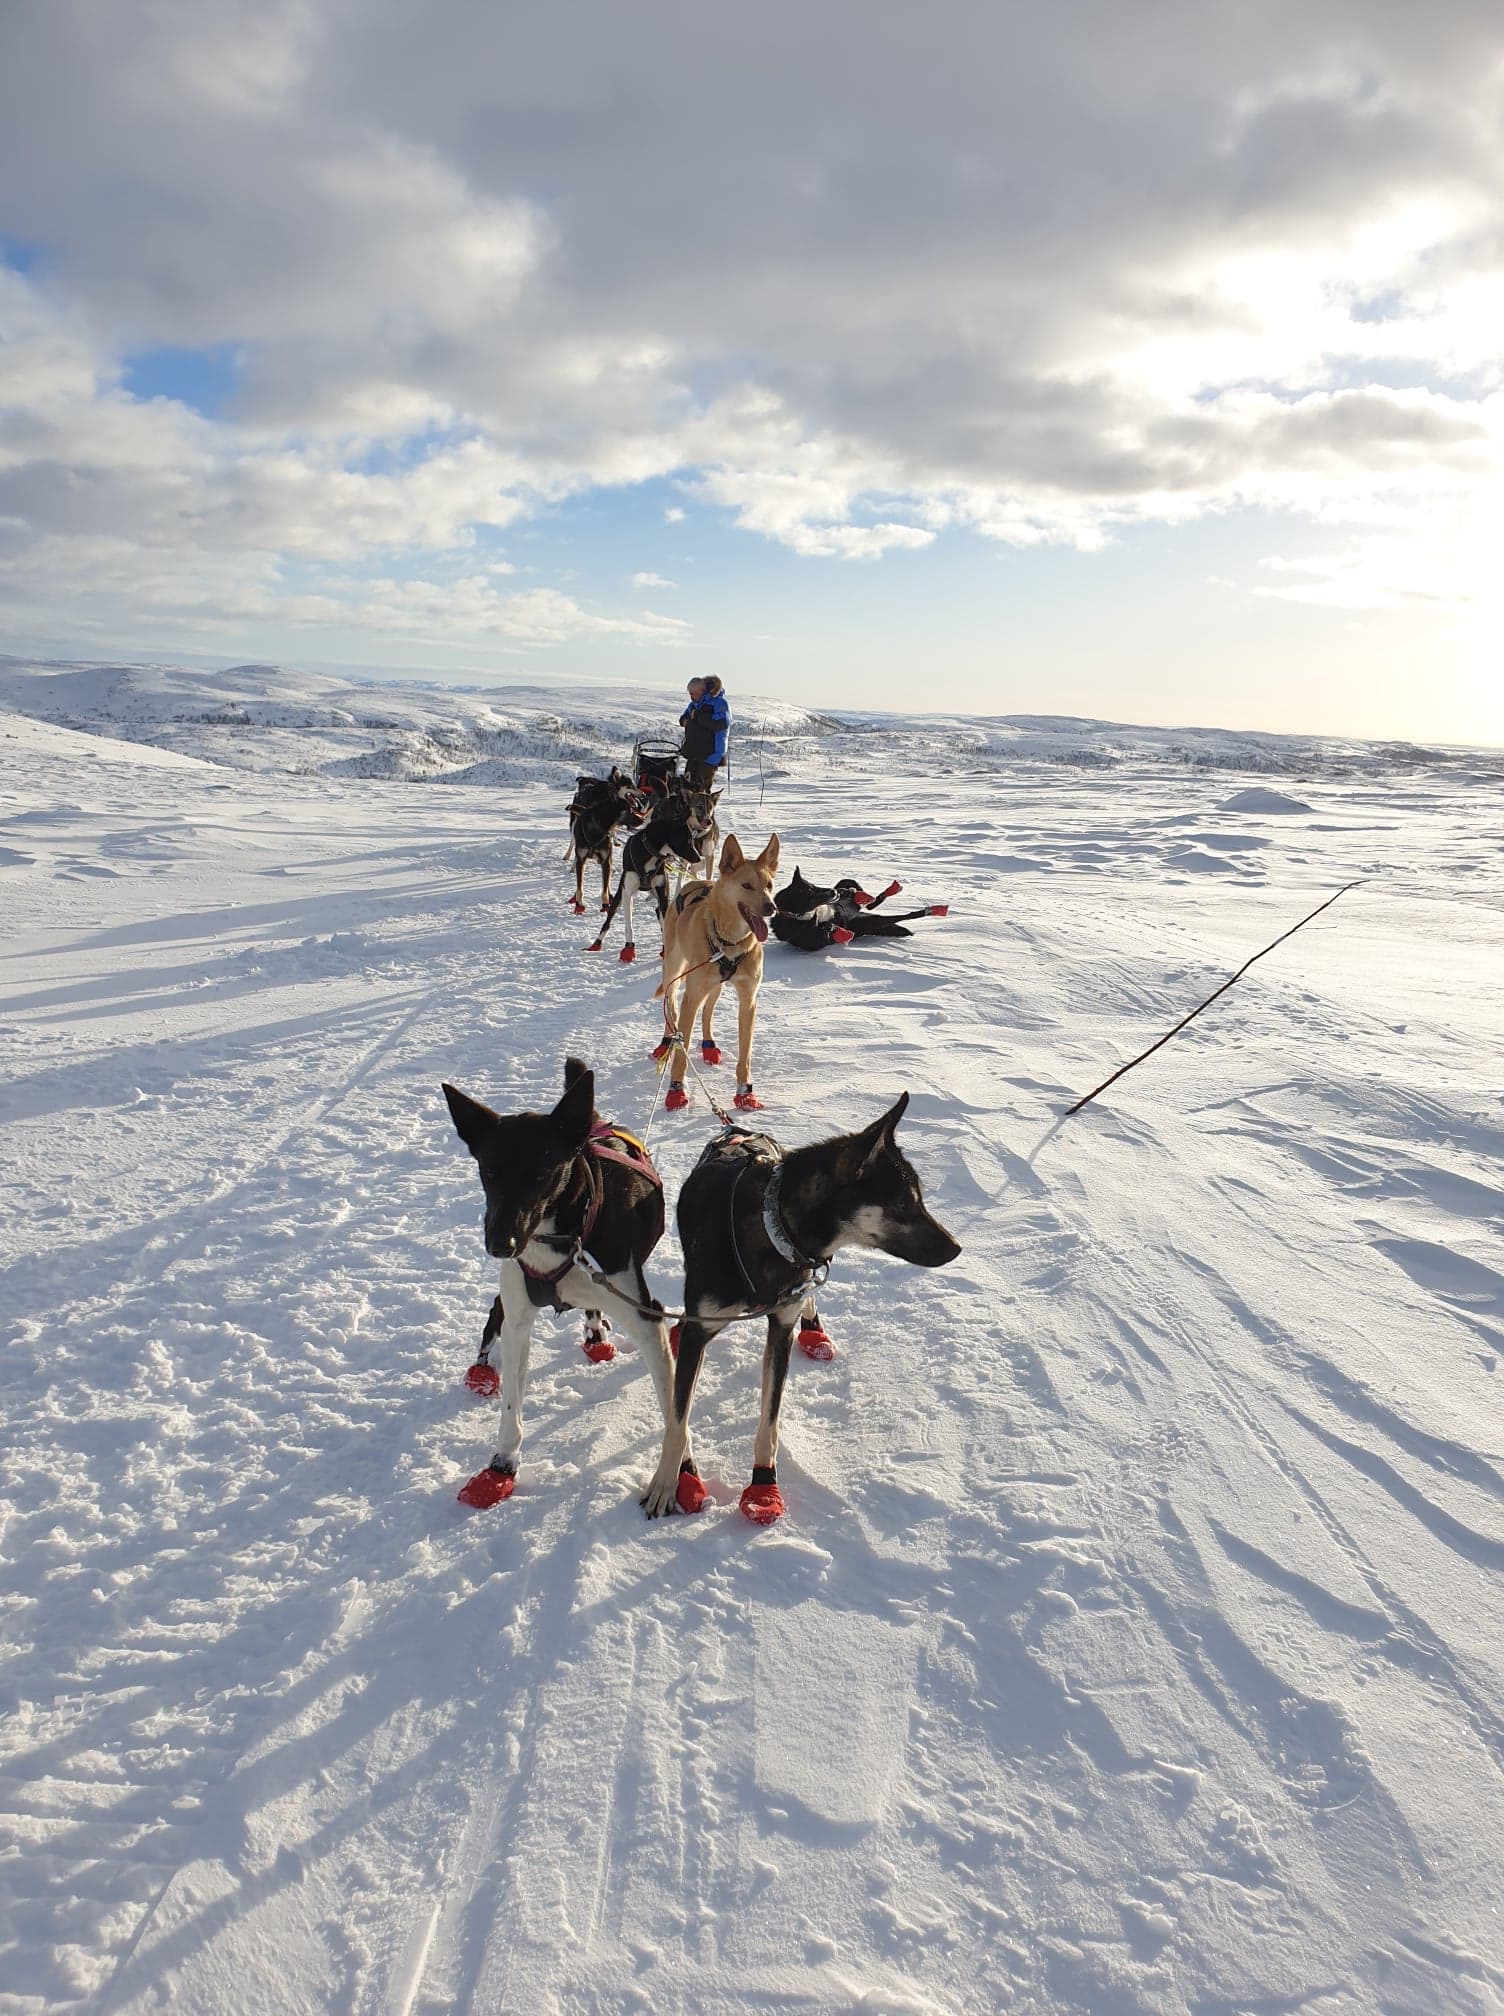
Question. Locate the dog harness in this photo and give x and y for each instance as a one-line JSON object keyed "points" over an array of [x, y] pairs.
{"points": [[720, 949], [752, 1148], [599, 1148]]}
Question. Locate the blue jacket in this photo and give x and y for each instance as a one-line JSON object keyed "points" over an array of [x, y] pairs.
{"points": [[705, 723]]}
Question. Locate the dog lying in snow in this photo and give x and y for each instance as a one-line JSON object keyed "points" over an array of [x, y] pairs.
{"points": [[757, 1227], [558, 1186], [599, 806], [648, 855], [713, 935], [811, 918]]}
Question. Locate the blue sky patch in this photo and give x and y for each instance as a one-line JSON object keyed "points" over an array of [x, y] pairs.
{"points": [[203, 379]]}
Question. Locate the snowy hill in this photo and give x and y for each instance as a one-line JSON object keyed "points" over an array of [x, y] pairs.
{"points": [[260, 717], [1134, 1641]]}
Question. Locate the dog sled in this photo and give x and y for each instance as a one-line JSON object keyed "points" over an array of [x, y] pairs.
{"points": [[655, 765]]}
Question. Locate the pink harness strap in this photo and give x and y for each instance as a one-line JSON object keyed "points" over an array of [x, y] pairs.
{"points": [[603, 1133]]}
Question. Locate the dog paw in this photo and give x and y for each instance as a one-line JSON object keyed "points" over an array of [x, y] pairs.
{"points": [[747, 1100], [661, 1496], [841, 935], [599, 1350], [710, 1053], [484, 1380], [662, 1050], [627, 954], [488, 1487], [595, 947], [814, 1343], [678, 1099], [578, 909], [762, 1504]]}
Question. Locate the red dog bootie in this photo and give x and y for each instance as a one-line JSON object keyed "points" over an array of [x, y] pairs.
{"points": [[483, 1379], [691, 1495], [662, 1050], [710, 1053], [747, 1100], [673, 1340], [488, 1487], [578, 909], [678, 1099], [762, 1501], [893, 889], [939, 910], [814, 1343], [627, 954], [595, 947], [841, 935], [595, 1344]]}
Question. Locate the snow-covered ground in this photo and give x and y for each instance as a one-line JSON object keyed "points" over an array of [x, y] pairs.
{"points": [[1135, 1638]]}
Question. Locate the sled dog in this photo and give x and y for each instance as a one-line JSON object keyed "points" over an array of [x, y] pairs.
{"points": [[811, 917], [758, 1228], [713, 935], [599, 806], [648, 856], [560, 1186]]}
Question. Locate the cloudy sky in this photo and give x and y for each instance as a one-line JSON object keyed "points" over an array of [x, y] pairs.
{"points": [[1133, 361]]}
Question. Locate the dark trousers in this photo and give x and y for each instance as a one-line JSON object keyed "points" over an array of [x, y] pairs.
{"points": [[698, 775]]}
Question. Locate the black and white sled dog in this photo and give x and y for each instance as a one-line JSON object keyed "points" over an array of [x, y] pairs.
{"points": [[759, 1228], [559, 1187], [648, 856], [811, 918], [598, 807]]}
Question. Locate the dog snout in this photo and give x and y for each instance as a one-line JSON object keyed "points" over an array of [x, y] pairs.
{"points": [[937, 1248]]}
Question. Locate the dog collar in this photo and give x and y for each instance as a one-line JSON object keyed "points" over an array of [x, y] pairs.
{"points": [[777, 1231]]}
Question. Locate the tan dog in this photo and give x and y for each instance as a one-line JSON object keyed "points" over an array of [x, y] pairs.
{"points": [[713, 937]]}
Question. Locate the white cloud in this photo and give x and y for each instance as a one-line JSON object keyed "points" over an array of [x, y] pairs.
{"points": [[1037, 276], [652, 581]]}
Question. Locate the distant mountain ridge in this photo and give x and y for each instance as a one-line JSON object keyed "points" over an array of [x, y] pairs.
{"points": [[272, 718]]}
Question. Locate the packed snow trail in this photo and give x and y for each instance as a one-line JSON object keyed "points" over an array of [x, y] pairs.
{"points": [[1133, 1640]]}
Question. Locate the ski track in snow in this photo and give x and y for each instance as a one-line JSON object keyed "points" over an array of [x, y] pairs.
{"points": [[1133, 1640]]}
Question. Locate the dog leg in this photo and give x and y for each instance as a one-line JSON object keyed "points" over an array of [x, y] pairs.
{"points": [[813, 1341], [709, 1049], [630, 887], [482, 1378], [699, 991], [606, 858], [671, 1483], [746, 1022], [762, 1501], [579, 882], [489, 1486]]}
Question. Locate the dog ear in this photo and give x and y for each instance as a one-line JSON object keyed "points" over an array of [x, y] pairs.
{"points": [[715, 798], [879, 1135], [573, 1066], [732, 856], [472, 1121], [768, 858], [575, 1111], [890, 1120]]}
